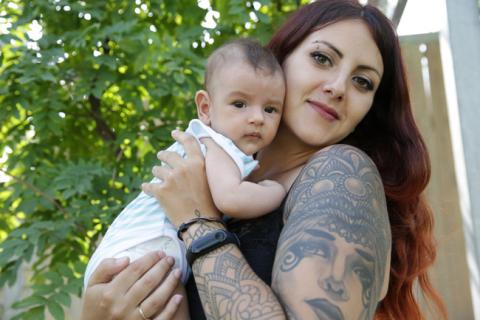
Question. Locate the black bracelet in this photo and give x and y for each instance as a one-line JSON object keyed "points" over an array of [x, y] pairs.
{"points": [[209, 242], [184, 226]]}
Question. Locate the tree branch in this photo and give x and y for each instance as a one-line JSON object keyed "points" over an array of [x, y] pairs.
{"points": [[19, 124], [107, 134], [278, 4], [103, 129], [398, 12]]}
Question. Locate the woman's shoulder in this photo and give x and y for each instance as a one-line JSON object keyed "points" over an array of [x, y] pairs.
{"points": [[341, 152], [338, 170], [336, 236]]}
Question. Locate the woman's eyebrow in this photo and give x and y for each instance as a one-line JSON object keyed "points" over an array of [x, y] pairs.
{"points": [[340, 54], [365, 67], [331, 46]]}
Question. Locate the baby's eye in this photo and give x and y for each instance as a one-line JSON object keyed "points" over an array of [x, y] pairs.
{"points": [[321, 58], [270, 109], [239, 104], [363, 83]]}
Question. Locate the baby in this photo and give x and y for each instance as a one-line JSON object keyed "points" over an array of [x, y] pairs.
{"points": [[239, 112]]}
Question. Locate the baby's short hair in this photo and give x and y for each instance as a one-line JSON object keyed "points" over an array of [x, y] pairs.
{"points": [[250, 51]]}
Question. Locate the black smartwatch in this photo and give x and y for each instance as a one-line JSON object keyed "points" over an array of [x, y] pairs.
{"points": [[210, 242]]}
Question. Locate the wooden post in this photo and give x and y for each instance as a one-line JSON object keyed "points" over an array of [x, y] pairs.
{"points": [[463, 37]]}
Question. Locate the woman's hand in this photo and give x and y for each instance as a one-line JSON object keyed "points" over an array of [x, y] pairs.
{"points": [[118, 290], [184, 192]]}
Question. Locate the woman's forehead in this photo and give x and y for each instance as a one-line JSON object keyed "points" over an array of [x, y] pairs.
{"points": [[350, 38]]}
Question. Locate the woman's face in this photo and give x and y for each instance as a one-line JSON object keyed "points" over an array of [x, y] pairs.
{"points": [[331, 80]]}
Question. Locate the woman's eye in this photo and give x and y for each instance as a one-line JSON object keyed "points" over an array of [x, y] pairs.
{"points": [[239, 104], [364, 83], [270, 109], [321, 59]]}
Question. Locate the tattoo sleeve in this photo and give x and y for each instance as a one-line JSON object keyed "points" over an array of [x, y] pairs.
{"points": [[228, 287], [333, 253]]}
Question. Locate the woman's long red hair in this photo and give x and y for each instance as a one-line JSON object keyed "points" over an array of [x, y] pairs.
{"points": [[391, 138]]}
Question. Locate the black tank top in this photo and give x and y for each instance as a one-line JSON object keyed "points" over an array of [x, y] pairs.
{"points": [[258, 242]]}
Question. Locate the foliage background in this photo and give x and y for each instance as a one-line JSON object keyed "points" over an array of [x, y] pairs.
{"points": [[85, 103]]}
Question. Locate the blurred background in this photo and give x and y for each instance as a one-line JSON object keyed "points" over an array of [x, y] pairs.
{"points": [[89, 91]]}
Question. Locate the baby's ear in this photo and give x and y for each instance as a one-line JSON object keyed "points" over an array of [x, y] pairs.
{"points": [[202, 100]]}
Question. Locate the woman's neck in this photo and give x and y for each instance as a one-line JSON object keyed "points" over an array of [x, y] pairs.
{"points": [[283, 159]]}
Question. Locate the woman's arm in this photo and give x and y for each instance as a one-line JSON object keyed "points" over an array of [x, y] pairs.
{"points": [[333, 255], [232, 195], [228, 287]]}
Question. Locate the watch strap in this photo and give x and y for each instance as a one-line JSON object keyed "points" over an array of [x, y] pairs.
{"points": [[210, 242], [184, 226]]}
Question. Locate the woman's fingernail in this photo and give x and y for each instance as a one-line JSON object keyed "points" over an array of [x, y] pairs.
{"points": [[177, 298], [177, 273], [161, 254], [170, 261]]}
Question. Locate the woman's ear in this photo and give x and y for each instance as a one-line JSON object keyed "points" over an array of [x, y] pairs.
{"points": [[202, 100]]}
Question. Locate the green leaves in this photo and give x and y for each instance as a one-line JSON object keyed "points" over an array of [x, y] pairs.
{"points": [[55, 310], [83, 111], [54, 295], [77, 179], [29, 302]]}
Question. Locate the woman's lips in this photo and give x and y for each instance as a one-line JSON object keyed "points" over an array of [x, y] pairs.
{"points": [[325, 111]]}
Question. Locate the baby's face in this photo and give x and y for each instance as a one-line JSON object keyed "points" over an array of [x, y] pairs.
{"points": [[246, 105]]}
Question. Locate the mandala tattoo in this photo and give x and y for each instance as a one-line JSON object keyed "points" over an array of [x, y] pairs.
{"points": [[228, 287], [338, 195]]}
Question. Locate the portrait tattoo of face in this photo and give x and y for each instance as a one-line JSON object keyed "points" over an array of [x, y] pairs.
{"points": [[334, 247]]}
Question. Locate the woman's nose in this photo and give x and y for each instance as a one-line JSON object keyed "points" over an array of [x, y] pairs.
{"points": [[335, 88]]}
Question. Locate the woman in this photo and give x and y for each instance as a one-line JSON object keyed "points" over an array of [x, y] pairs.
{"points": [[354, 222]]}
